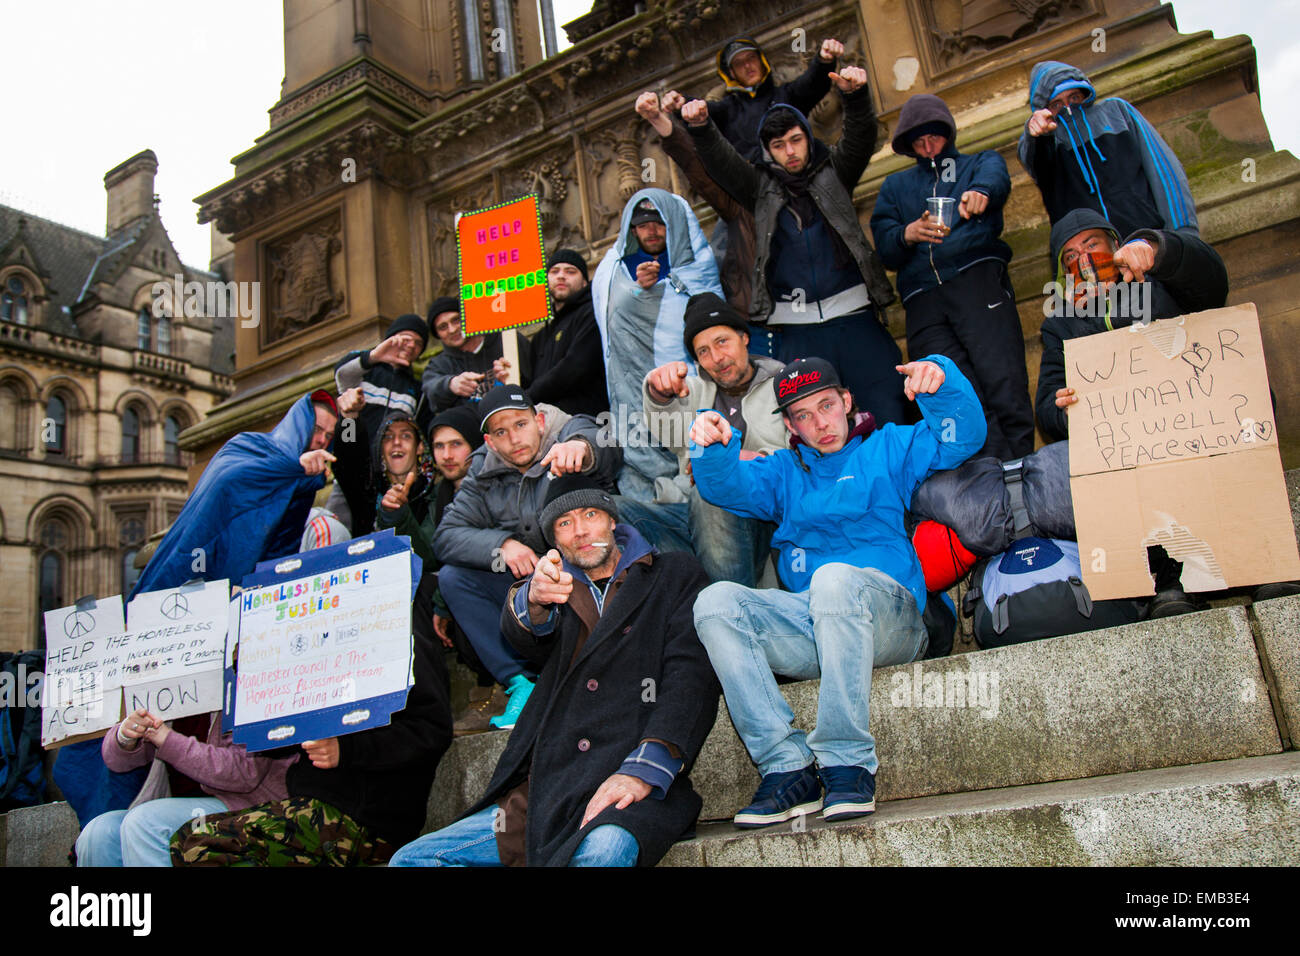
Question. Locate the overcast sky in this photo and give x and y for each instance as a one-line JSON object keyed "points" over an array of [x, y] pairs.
{"points": [[92, 82]]}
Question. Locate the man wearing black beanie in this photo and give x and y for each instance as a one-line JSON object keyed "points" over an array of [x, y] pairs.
{"points": [[568, 363], [467, 366], [373, 384]]}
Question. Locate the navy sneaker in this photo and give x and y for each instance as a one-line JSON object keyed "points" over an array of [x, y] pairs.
{"points": [[850, 792], [781, 796]]}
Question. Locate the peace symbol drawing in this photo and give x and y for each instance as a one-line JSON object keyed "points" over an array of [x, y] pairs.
{"points": [[174, 606], [78, 623]]}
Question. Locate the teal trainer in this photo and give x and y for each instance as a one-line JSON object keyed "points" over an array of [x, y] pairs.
{"points": [[518, 691]]}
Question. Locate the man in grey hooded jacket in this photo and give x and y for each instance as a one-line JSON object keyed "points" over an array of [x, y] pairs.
{"points": [[489, 536]]}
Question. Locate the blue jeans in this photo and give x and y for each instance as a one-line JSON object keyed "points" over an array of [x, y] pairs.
{"points": [[730, 548], [848, 621], [475, 599], [473, 842], [140, 836]]}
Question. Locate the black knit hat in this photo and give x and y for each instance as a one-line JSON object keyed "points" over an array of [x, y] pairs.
{"points": [[572, 258], [704, 311], [446, 303], [801, 378], [463, 420], [410, 323], [573, 491]]}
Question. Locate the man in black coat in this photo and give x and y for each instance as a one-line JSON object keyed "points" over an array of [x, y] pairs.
{"points": [[568, 360], [596, 771]]}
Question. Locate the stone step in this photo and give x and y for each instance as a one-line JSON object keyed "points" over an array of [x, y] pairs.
{"points": [[1154, 694], [1242, 812]]}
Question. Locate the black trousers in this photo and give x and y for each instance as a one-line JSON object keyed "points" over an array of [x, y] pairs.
{"points": [[972, 320]]}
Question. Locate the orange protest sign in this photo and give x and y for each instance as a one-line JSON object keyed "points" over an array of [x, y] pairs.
{"points": [[502, 267]]}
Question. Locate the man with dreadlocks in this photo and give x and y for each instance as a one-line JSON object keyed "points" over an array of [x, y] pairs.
{"points": [[855, 588]]}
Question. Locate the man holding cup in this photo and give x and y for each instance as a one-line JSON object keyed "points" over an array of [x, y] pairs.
{"points": [[939, 224]]}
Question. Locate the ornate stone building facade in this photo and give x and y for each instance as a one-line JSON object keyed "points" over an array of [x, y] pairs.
{"points": [[96, 386], [397, 114]]}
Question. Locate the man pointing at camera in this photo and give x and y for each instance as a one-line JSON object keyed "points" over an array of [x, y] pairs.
{"points": [[856, 591]]}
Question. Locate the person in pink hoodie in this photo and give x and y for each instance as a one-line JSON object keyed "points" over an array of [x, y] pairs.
{"points": [[232, 778]]}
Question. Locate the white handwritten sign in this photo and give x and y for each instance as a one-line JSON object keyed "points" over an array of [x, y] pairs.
{"points": [[81, 694], [326, 652]]}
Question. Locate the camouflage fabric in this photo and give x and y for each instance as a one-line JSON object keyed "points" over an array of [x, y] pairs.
{"points": [[296, 832]]}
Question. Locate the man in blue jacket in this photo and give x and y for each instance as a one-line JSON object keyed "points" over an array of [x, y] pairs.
{"points": [[953, 277], [855, 586]]}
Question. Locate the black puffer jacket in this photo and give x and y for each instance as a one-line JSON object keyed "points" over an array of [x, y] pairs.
{"points": [[568, 361]]}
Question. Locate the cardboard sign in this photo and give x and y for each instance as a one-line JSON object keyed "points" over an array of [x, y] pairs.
{"points": [[324, 643], [164, 657], [1173, 443], [502, 266]]}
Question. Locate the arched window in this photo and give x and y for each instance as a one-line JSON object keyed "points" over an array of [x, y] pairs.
{"points": [[11, 405], [172, 440], [130, 538], [144, 329], [15, 301], [130, 436], [163, 331], [54, 430]]}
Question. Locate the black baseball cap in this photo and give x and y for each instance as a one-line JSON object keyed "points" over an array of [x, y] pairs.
{"points": [[499, 399], [645, 211], [801, 378]]}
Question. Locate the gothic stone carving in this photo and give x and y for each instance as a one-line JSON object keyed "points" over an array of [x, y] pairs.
{"points": [[306, 287], [962, 30]]}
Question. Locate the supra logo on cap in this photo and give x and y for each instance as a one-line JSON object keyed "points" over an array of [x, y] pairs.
{"points": [[796, 380]]}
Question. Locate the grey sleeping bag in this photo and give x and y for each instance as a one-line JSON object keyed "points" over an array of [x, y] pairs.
{"points": [[977, 500]]}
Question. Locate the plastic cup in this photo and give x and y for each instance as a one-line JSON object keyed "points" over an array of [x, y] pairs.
{"points": [[942, 210]]}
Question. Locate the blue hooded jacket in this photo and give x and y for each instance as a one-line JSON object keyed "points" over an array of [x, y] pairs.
{"points": [[847, 507], [1104, 156], [951, 173], [250, 505]]}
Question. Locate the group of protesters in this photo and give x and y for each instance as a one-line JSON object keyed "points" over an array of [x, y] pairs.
{"points": [[698, 418]]}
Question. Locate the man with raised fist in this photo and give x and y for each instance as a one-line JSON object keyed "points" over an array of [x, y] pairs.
{"points": [[596, 770], [855, 588], [817, 281]]}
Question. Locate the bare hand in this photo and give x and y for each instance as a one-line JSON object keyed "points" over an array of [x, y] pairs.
{"points": [[973, 203], [695, 113], [647, 274], [442, 627], [1135, 259], [396, 497], [323, 754], [620, 791], [136, 725], [1065, 397], [924, 229], [923, 378], [849, 79], [1042, 121], [313, 462], [830, 50], [648, 108], [668, 380], [672, 102], [392, 351], [351, 403], [519, 558], [567, 457], [466, 384], [709, 428], [501, 369], [550, 583], [157, 733]]}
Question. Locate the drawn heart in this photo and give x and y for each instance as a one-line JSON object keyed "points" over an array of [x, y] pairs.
{"points": [[1264, 429], [1193, 446], [1198, 356]]}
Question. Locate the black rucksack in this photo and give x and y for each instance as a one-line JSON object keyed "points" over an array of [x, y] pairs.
{"points": [[1035, 589]]}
